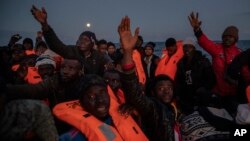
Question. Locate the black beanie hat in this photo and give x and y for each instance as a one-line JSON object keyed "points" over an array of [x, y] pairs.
{"points": [[90, 35], [231, 31]]}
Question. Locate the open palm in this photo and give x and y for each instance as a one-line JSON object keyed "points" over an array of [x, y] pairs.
{"points": [[194, 20], [39, 15], [128, 41]]}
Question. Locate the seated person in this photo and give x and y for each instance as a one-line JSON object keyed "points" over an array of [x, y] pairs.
{"points": [[96, 115]]}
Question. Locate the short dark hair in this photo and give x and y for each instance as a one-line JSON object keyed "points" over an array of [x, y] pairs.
{"points": [[111, 44], [86, 82], [112, 71], [28, 40], [140, 38], [161, 77], [170, 42], [41, 44], [102, 41], [76, 58]]}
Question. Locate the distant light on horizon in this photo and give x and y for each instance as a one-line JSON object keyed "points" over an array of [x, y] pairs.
{"points": [[88, 25]]}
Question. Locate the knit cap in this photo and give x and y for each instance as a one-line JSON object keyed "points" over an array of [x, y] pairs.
{"points": [[231, 31], [189, 41], [90, 35], [45, 60]]}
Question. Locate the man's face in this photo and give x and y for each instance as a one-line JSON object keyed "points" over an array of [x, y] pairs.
{"points": [[70, 69], [46, 70], [228, 40], [171, 50], [84, 43], [111, 49], [164, 91], [96, 101], [113, 80], [102, 48], [148, 51], [188, 49], [40, 50], [27, 46], [17, 55]]}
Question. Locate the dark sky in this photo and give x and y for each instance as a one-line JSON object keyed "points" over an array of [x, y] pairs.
{"points": [[157, 19]]}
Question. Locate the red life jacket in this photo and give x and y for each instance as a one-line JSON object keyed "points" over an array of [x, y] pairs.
{"points": [[248, 94]]}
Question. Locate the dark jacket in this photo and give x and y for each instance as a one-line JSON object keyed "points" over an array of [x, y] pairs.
{"points": [[153, 66], [190, 77], [235, 72], [94, 64], [157, 118], [51, 88]]}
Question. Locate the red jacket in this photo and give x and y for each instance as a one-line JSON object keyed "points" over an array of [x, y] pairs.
{"points": [[219, 61]]}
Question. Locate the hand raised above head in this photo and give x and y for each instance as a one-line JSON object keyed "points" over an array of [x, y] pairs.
{"points": [[127, 39], [194, 20], [39, 15]]}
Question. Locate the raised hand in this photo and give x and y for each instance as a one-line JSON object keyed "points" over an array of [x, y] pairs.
{"points": [[128, 41], [39, 15], [194, 20]]}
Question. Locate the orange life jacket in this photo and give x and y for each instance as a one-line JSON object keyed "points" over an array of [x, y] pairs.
{"points": [[94, 129], [168, 65], [32, 76], [248, 93], [120, 95], [29, 52], [139, 68]]}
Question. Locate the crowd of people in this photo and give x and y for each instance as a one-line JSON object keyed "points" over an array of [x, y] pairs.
{"points": [[94, 90]]}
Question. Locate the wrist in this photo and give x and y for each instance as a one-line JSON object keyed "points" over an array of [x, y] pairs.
{"points": [[196, 29], [45, 26]]}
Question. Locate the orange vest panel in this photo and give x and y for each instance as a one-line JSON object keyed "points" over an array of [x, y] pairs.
{"points": [[32, 76], [168, 65], [139, 68], [94, 129]]}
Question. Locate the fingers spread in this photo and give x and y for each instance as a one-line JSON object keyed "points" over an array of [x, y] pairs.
{"points": [[137, 30], [44, 11]]}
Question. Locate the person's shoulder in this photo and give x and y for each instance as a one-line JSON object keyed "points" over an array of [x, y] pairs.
{"points": [[155, 56]]}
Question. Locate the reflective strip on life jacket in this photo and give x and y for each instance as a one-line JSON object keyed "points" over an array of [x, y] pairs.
{"points": [[32, 76], [96, 130], [139, 68], [168, 65]]}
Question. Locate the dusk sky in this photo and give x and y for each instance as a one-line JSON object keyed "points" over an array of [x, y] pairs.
{"points": [[157, 19]]}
